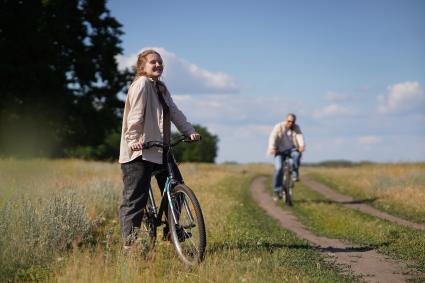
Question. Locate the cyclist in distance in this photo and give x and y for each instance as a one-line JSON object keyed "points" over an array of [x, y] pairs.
{"points": [[148, 113], [286, 138]]}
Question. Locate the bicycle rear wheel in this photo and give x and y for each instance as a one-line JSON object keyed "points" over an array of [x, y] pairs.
{"points": [[287, 183], [187, 225]]}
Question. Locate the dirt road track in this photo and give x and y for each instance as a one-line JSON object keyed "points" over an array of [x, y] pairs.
{"points": [[361, 260], [348, 201]]}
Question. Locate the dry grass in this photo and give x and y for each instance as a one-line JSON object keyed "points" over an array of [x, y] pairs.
{"points": [[333, 220], [72, 197], [243, 244], [112, 265], [46, 207], [396, 188]]}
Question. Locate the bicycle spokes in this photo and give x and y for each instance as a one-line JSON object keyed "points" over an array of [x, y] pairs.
{"points": [[188, 230]]}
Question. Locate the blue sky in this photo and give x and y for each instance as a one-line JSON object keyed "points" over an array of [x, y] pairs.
{"points": [[353, 72]]}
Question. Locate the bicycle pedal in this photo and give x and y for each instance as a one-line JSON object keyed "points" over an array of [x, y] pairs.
{"points": [[182, 235]]}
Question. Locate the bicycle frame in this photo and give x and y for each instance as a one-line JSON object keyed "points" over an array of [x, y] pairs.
{"points": [[287, 163], [166, 197], [182, 211], [174, 178], [287, 181], [287, 159]]}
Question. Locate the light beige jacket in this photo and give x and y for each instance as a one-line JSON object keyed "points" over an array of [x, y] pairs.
{"points": [[143, 119], [282, 139]]}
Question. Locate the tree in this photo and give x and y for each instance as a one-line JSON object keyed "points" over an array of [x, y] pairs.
{"points": [[60, 78], [203, 151]]}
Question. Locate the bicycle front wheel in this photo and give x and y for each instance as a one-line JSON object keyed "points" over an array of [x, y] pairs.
{"points": [[187, 225], [287, 184]]}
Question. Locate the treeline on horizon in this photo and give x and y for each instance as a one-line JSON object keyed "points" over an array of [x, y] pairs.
{"points": [[342, 163], [60, 82], [339, 163], [348, 163]]}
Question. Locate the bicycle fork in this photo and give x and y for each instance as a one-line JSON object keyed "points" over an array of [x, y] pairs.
{"points": [[180, 202]]}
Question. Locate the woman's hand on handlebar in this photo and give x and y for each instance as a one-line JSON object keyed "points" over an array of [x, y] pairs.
{"points": [[139, 145], [195, 137]]}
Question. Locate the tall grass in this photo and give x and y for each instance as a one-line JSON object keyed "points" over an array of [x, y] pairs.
{"points": [[244, 245], [34, 231], [46, 207], [395, 188], [59, 222]]}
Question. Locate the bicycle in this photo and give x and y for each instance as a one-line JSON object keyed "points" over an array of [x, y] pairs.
{"points": [[185, 219], [287, 182]]}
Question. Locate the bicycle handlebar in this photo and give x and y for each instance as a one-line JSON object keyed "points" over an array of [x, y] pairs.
{"points": [[147, 145]]}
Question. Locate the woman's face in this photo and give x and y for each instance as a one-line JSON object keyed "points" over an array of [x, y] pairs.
{"points": [[153, 68]]}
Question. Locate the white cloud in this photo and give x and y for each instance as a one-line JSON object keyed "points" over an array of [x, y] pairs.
{"points": [[332, 110], [126, 61], [232, 109], [335, 107], [367, 140], [183, 77], [243, 123], [402, 98], [332, 96]]}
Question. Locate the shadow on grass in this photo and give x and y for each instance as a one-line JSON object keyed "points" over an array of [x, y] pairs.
{"points": [[353, 249], [328, 201], [252, 246], [273, 247]]}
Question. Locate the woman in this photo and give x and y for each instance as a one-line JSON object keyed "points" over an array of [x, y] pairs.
{"points": [[148, 113]]}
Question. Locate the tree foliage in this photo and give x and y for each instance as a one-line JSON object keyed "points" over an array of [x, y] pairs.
{"points": [[202, 151], [60, 79], [60, 82]]}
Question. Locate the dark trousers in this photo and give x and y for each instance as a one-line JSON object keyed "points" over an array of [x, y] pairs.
{"points": [[136, 177]]}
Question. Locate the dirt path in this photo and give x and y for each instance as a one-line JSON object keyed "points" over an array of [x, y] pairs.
{"points": [[373, 266], [356, 204]]}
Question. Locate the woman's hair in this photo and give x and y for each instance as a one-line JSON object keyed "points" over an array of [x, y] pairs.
{"points": [[141, 62]]}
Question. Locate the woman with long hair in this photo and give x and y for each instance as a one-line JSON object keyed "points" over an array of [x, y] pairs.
{"points": [[148, 113]]}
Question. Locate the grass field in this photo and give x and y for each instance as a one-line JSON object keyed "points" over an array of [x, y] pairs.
{"points": [[396, 188], [331, 219], [59, 223], [400, 194]]}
